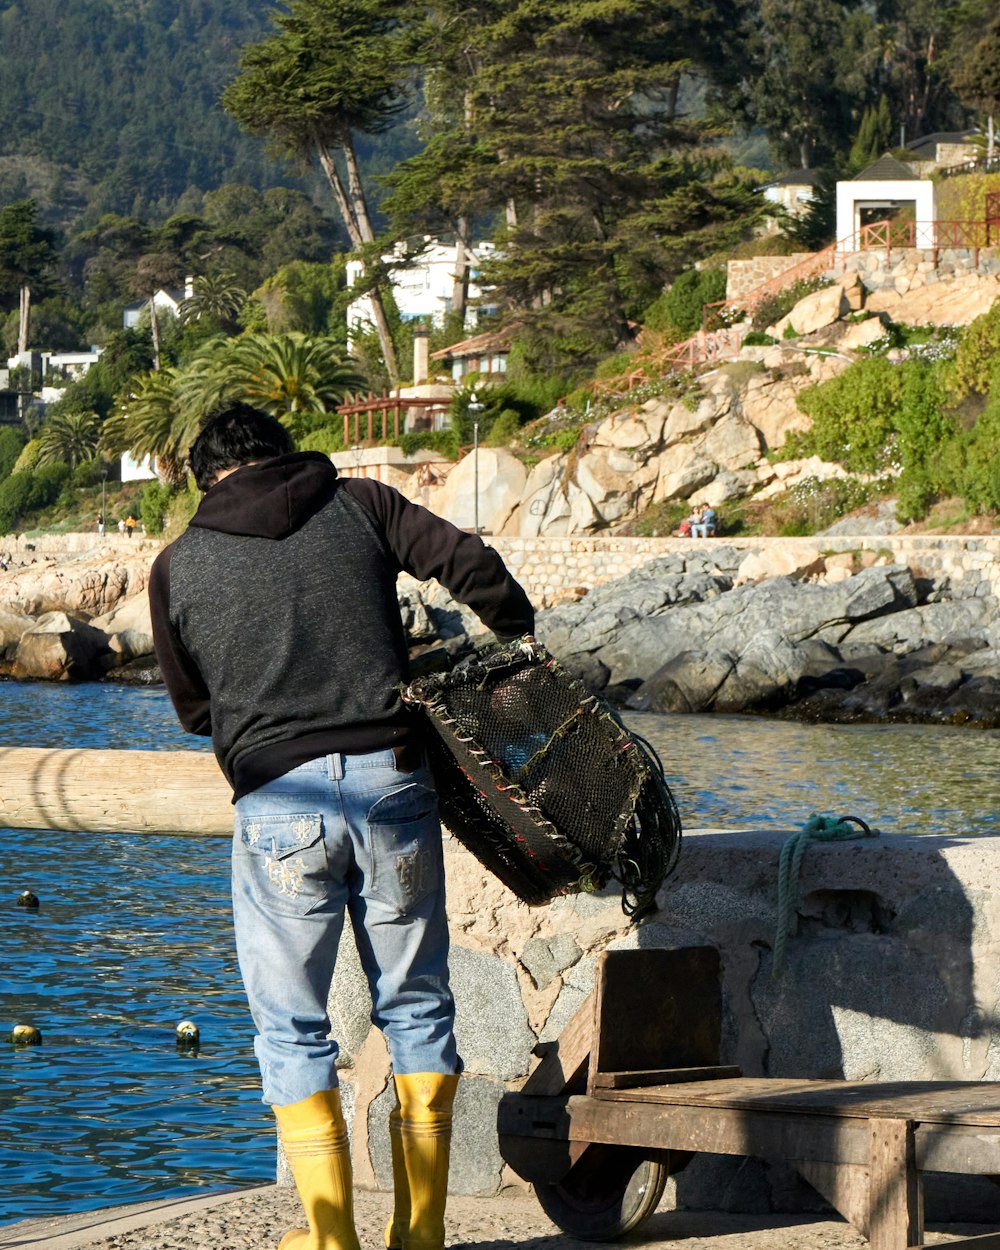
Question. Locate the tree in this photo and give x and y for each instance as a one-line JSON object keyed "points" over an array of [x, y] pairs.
{"points": [[810, 66], [874, 136], [574, 133], [977, 80], [332, 72], [295, 377], [217, 298], [26, 258], [69, 436], [153, 272]]}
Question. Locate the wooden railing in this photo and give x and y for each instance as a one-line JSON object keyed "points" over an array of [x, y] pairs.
{"points": [[387, 411]]}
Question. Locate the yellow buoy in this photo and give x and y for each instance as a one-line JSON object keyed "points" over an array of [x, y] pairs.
{"points": [[25, 1035], [187, 1035]]}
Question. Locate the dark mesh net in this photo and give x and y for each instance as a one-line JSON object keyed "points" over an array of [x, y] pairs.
{"points": [[542, 782]]}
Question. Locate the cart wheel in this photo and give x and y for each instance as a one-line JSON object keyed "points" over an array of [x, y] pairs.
{"points": [[608, 1192]]}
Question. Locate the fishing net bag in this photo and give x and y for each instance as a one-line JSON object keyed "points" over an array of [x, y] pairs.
{"points": [[541, 781]]}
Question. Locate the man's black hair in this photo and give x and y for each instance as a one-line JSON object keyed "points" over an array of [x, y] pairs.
{"points": [[237, 435]]}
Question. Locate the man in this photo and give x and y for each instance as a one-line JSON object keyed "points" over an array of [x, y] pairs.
{"points": [[278, 633]]}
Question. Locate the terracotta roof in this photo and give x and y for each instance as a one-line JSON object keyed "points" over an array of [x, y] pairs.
{"points": [[886, 169], [494, 340]]}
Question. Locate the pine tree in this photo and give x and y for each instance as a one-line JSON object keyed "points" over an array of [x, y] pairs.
{"points": [[332, 72]]}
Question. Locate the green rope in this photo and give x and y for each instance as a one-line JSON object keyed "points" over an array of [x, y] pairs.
{"points": [[816, 829]]}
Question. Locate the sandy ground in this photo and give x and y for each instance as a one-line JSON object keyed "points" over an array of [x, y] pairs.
{"points": [[256, 1219]]}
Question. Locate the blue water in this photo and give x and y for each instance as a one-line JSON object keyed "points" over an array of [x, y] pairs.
{"points": [[134, 934]]}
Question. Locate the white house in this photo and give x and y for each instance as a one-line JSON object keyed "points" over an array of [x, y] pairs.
{"points": [[165, 299], [422, 284], [138, 470], [793, 192], [884, 189]]}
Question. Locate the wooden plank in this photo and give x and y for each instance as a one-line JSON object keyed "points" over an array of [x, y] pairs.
{"points": [[721, 1130], [565, 1060], [662, 1076], [944, 1102], [92, 791], [985, 1241], [844, 1186], [951, 1148], [657, 1008], [895, 1193]]}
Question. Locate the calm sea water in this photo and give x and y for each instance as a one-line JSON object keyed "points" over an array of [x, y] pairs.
{"points": [[134, 935]]}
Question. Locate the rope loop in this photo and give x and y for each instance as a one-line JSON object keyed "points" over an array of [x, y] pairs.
{"points": [[816, 829]]}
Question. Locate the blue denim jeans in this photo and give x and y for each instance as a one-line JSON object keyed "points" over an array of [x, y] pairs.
{"points": [[342, 834]]}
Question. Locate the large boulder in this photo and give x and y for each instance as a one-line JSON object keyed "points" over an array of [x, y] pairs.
{"points": [[682, 469], [770, 406], [59, 647], [129, 628], [958, 302], [81, 585], [501, 481], [12, 626], [815, 311]]}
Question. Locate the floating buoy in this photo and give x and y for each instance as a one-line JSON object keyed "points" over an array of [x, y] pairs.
{"points": [[27, 899], [25, 1035], [187, 1035]]}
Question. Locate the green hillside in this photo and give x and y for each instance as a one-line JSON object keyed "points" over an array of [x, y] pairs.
{"points": [[112, 105]]}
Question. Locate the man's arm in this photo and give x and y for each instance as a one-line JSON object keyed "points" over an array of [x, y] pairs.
{"points": [[184, 682], [428, 546]]}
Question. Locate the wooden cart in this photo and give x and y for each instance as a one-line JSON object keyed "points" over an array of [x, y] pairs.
{"points": [[633, 1089]]}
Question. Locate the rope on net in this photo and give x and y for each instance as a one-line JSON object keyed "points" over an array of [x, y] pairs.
{"points": [[816, 829]]}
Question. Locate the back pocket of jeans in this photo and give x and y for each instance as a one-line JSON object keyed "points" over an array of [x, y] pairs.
{"points": [[287, 859], [405, 843]]}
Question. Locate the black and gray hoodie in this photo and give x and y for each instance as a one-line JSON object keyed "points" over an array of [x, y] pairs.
{"points": [[275, 616]]}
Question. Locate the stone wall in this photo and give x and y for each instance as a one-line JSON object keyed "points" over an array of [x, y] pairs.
{"points": [[744, 275], [893, 974], [554, 569], [906, 268]]}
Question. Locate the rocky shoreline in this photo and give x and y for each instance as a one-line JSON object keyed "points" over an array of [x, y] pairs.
{"points": [[847, 636]]}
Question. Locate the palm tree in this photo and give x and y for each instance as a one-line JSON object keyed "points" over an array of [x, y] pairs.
{"points": [[69, 438], [217, 296], [149, 421], [291, 375]]}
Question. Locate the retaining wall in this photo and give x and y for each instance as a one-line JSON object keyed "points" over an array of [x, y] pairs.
{"points": [[894, 974], [552, 569]]}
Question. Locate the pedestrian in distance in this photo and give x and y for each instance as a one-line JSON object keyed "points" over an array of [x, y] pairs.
{"points": [[336, 814], [121, 525], [100, 524], [129, 525]]}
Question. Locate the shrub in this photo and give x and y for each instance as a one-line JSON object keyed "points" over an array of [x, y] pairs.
{"points": [[11, 445], [855, 414], [153, 505], [683, 305], [757, 338], [774, 307]]}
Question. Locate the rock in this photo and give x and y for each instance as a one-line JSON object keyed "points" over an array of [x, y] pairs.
{"points": [[12, 626], [684, 421], [502, 478], [778, 559], [814, 311], [724, 487], [682, 469], [77, 585], [863, 334], [128, 627], [771, 408], [59, 647], [732, 443], [640, 432], [958, 302]]}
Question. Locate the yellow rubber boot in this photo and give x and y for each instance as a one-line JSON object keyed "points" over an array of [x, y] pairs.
{"points": [[314, 1138], [399, 1221], [421, 1152]]}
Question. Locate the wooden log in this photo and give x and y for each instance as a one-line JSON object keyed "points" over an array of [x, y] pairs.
{"points": [[90, 791]]}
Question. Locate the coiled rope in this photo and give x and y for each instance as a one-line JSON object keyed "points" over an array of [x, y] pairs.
{"points": [[816, 829]]}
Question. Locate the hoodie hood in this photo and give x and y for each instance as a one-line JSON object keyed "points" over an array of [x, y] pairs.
{"points": [[269, 499]]}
